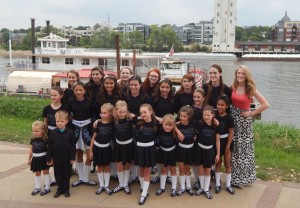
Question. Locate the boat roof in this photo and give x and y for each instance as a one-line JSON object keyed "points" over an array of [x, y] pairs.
{"points": [[172, 62], [83, 73]]}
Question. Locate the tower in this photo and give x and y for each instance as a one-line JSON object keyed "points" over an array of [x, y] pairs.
{"points": [[224, 23]]}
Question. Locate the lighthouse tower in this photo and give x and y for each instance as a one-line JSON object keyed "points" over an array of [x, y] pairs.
{"points": [[224, 25]]}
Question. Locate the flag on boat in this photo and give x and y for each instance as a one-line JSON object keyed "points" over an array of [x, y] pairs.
{"points": [[171, 51]]}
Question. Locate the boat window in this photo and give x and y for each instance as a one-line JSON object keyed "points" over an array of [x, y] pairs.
{"points": [[125, 62], [85, 61], [45, 60], [69, 60]]}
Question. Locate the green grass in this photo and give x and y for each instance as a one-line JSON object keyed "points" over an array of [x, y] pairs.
{"points": [[277, 147]]}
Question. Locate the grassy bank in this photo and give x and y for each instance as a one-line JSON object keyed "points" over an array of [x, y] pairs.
{"points": [[277, 148]]}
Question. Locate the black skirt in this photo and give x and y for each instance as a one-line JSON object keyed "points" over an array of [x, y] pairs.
{"points": [[102, 156], [185, 155], [205, 157], [123, 153], [223, 143], [145, 156], [167, 158], [39, 164]]}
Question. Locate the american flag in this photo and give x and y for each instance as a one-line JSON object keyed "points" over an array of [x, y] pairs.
{"points": [[171, 51]]}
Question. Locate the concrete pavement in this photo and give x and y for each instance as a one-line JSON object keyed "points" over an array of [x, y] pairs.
{"points": [[17, 182]]}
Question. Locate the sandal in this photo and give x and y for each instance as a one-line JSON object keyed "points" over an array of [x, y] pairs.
{"points": [[77, 183], [180, 192], [208, 195], [44, 192], [90, 183], [127, 190], [199, 192], [117, 189], [108, 191], [99, 191], [190, 191], [173, 192], [160, 191], [35, 191]]}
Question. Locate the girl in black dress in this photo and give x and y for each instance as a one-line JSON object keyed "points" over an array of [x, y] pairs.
{"points": [[101, 147], [73, 77], [205, 155], [37, 157], [145, 156], [123, 82], [184, 96], [151, 81], [80, 107], [109, 91]]}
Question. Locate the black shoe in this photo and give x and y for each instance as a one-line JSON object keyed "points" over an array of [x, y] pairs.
{"points": [[77, 183], [127, 190], [230, 190], [160, 191], [108, 191], [99, 191], [57, 194], [114, 177], [53, 182], [173, 192], [117, 189], [155, 179], [196, 185], [35, 191], [218, 189], [44, 192], [190, 191], [180, 192], [208, 195], [169, 181], [67, 194], [199, 192], [142, 200], [90, 183]]}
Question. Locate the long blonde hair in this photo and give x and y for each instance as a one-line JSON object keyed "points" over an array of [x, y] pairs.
{"points": [[41, 125], [120, 104], [250, 86]]}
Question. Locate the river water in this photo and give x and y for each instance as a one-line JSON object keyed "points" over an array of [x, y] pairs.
{"points": [[279, 82]]}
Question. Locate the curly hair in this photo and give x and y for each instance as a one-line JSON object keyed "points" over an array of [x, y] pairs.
{"points": [[250, 86]]}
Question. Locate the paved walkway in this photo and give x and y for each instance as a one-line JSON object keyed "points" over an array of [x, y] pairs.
{"points": [[17, 182]]}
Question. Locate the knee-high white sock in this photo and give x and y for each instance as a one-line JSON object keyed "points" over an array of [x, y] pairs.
{"points": [[201, 180], [126, 177], [228, 179], [47, 181], [80, 171], [37, 180], [145, 188], [188, 181], [218, 178], [100, 179], [106, 179], [86, 173], [121, 178], [113, 167], [133, 171], [163, 179], [206, 183], [195, 171], [141, 182], [182, 182], [158, 166], [174, 182]]}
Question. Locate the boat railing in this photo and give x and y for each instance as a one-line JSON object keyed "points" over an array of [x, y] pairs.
{"points": [[25, 65]]}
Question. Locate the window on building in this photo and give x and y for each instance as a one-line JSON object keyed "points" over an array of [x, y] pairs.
{"points": [[44, 44], [231, 4], [125, 62], [69, 61], [45, 60], [54, 44], [85, 61], [218, 4], [49, 45], [231, 14], [217, 21], [230, 21], [218, 14]]}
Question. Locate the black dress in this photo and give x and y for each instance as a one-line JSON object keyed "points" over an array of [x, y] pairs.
{"points": [[167, 142], [39, 148], [162, 106], [183, 99]]}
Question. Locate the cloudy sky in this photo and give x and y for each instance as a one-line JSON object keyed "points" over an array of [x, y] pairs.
{"points": [[16, 14]]}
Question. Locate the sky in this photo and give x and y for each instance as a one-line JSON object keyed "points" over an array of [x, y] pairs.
{"points": [[16, 14]]}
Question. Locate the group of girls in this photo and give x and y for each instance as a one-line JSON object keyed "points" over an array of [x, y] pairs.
{"points": [[137, 127]]}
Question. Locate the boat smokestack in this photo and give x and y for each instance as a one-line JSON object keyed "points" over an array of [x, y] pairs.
{"points": [[48, 26], [33, 41]]}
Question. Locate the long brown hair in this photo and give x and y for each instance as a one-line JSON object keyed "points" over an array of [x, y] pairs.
{"points": [[156, 93], [72, 71], [209, 84], [250, 86], [91, 84], [190, 78]]}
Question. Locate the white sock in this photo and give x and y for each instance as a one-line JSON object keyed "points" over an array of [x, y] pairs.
{"points": [[121, 178], [47, 181], [100, 179], [206, 183], [195, 171], [158, 166], [188, 181], [182, 182], [201, 180], [133, 171], [218, 178], [37, 180], [113, 168], [174, 182], [145, 188], [163, 179], [86, 173], [126, 177], [141, 182], [228, 179], [106, 179], [80, 171]]}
